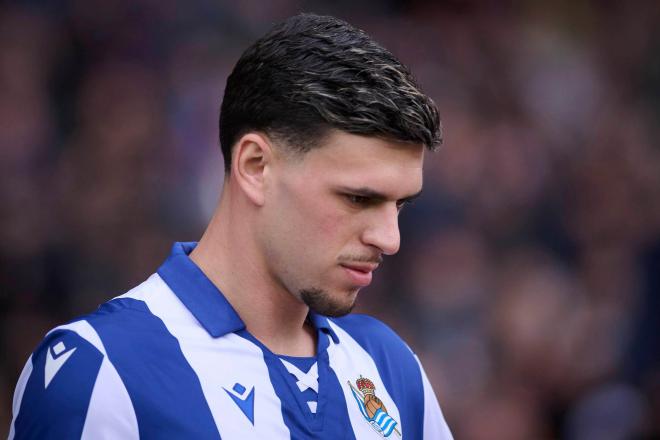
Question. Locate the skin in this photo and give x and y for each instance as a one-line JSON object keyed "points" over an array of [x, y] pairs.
{"points": [[294, 230]]}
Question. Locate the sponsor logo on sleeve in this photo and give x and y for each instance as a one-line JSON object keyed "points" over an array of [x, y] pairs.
{"points": [[56, 357]]}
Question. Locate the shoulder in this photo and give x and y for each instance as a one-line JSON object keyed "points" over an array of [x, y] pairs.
{"points": [[394, 359], [69, 381], [125, 320], [67, 352], [58, 384]]}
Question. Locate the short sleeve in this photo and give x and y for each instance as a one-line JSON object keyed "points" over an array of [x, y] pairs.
{"points": [[69, 389], [56, 388]]}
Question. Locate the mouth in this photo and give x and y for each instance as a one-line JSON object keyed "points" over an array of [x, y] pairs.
{"points": [[360, 274]]}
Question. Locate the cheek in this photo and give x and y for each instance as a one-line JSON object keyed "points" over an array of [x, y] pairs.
{"points": [[328, 222], [316, 222]]}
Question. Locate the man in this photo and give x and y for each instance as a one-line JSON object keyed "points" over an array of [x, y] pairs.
{"points": [[244, 335]]}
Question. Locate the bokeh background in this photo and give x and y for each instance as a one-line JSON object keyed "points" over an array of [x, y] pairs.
{"points": [[529, 276]]}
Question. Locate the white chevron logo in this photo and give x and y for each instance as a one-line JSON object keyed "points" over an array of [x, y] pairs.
{"points": [[53, 365]]}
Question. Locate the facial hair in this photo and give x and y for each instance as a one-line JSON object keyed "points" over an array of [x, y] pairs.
{"points": [[320, 302]]}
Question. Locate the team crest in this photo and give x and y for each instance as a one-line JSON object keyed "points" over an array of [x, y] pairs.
{"points": [[372, 408]]}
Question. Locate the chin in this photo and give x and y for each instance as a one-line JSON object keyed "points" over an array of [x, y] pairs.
{"points": [[323, 303]]}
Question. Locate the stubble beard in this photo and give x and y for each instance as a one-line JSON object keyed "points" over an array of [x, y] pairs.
{"points": [[320, 302]]}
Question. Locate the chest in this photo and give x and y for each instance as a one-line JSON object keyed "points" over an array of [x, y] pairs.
{"points": [[243, 391]]}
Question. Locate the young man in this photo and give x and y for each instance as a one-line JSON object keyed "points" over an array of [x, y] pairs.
{"points": [[246, 335]]}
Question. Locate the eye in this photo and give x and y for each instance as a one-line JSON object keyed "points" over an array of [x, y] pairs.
{"points": [[358, 200]]}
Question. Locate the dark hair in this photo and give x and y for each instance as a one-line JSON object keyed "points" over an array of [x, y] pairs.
{"points": [[312, 73]]}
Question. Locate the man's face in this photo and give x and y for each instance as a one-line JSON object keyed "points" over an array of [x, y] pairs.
{"points": [[330, 214]]}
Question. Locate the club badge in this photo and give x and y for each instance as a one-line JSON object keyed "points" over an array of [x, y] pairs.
{"points": [[372, 408]]}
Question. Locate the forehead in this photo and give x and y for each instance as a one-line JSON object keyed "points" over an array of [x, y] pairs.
{"points": [[389, 167]]}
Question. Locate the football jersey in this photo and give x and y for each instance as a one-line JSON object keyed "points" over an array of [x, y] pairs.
{"points": [[171, 359]]}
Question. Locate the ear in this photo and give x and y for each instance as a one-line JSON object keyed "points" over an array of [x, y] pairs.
{"points": [[252, 155]]}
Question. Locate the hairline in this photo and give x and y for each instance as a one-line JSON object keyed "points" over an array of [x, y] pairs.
{"points": [[296, 153]]}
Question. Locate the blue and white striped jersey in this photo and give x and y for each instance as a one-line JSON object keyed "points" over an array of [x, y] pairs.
{"points": [[172, 359]]}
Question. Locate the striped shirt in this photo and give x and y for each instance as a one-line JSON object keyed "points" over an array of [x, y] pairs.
{"points": [[172, 359]]}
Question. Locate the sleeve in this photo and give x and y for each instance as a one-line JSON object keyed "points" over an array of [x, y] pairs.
{"points": [[69, 389], [435, 426]]}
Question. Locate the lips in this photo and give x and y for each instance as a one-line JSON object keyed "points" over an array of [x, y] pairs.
{"points": [[360, 274]]}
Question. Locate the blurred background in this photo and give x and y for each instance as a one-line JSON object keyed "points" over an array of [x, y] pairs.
{"points": [[529, 275]]}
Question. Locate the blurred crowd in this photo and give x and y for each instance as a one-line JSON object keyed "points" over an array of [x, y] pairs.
{"points": [[528, 281]]}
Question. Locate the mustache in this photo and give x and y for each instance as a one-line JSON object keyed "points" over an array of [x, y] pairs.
{"points": [[375, 259]]}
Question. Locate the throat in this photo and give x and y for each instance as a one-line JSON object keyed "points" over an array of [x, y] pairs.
{"points": [[301, 345]]}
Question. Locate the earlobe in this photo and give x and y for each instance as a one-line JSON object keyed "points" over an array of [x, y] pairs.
{"points": [[252, 156]]}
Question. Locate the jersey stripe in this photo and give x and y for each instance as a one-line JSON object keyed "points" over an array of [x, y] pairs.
{"points": [[57, 393], [330, 420], [220, 363], [349, 360], [397, 367], [298, 422], [159, 380], [85, 331], [110, 413]]}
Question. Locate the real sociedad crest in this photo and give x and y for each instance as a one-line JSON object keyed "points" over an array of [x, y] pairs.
{"points": [[372, 408]]}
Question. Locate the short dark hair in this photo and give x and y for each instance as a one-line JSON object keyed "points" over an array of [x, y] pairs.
{"points": [[312, 73]]}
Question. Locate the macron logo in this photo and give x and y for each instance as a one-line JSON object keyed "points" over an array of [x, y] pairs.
{"points": [[243, 399], [53, 364]]}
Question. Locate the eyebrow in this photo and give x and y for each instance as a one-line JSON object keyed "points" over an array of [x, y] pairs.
{"points": [[375, 195]]}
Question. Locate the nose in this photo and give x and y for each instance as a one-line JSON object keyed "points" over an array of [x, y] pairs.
{"points": [[383, 230]]}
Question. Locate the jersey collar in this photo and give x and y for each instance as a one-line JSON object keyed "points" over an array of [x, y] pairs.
{"points": [[322, 323], [205, 301], [198, 293]]}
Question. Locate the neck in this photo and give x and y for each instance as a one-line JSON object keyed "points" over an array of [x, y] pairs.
{"points": [[227, 254]]}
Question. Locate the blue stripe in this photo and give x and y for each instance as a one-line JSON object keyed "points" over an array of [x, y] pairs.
{"points": [[331, 419], [332, 402], [165, 391], [59, 411], [396, 365], [303, 364]]}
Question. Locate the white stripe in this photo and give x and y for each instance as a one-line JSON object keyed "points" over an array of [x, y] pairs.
{"points": [[435, 425], [219, 363], [18, 394], [110, 414], [85, 331], [349, 360]]}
